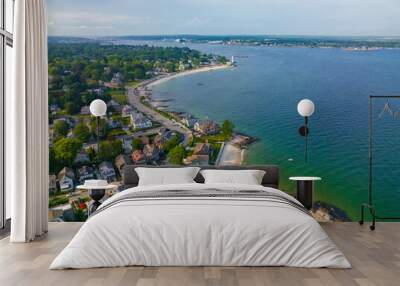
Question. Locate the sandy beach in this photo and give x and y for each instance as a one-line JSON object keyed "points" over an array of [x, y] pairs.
{"points": [[165, 78], [231, 155]]}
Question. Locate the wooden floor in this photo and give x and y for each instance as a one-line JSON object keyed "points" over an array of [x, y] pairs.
{"points": [[375, 257]]}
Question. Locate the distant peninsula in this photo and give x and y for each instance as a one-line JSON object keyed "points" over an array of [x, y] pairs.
{"points": [[343, 42]]}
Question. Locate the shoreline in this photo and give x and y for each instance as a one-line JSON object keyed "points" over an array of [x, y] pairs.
{"points": [[232, 152], [164, 78]]}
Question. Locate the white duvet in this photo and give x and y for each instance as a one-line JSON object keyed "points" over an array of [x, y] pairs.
{"points": [[202, 232]]}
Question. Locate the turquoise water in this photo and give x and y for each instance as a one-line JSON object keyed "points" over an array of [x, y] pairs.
{"points": [[260, 96]]}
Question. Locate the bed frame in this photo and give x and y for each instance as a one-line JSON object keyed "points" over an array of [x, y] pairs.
{"points": [[270, 179]]}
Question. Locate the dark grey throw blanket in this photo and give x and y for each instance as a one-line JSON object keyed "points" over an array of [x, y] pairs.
{"points": [[205, 194]]}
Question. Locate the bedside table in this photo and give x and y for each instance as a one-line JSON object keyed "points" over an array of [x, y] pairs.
{"points": [[96, 191], [305, 190]]}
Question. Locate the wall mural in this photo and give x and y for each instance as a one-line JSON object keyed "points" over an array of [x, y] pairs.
{"points": [[223, 100]]}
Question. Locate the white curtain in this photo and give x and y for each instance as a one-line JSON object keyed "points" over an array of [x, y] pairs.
{"points": [[27, 124]]}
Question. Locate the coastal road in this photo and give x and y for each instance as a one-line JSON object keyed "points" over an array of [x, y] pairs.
{"points": [[146, 132], [134, 100]]}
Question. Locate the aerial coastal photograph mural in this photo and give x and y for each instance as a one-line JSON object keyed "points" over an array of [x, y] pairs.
{"points": [[226, 83]]}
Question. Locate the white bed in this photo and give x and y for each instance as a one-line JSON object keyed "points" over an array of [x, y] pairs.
{"points": [[200, 231]]}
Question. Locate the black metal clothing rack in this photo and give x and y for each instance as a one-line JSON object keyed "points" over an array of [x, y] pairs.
{"points": [[370, 206]]}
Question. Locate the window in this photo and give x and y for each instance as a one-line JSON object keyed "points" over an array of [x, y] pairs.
{"points": [[6, 43]]}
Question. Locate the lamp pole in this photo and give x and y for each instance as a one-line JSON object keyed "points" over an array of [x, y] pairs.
{"points": [[305, 108], [305, 138], [98, 108], [98, 138]]}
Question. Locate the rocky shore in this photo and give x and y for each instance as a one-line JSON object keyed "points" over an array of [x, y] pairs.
{"points": [[324, 212]]}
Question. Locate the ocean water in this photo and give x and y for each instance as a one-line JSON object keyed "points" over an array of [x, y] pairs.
{"points": [[260, 96]]}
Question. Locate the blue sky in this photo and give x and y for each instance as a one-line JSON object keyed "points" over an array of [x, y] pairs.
{"points": [[283, 17]]}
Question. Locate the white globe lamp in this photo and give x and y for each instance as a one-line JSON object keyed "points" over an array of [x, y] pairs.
{"points": [[98, 107], [306, 107]]}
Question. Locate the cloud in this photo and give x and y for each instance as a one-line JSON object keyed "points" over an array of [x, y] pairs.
{"points": [[128, 17], [93, 18], [198, 22]]}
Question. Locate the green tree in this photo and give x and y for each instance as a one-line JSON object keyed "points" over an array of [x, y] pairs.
{"points": [[105, 151], [65, 150], [171, 143], [61, 128], [171, 67], [54, 165], [227, 129], [70, 107], [137, 144], [103, 127], [91, 153], [139, 72], [82, 132], [109, 150], [222, 59], [117, 148], [176, 155]]}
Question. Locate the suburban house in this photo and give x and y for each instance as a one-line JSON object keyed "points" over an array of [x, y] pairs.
{"points": [[70, 134], [113, 124], [197, 160], [66, 179], [96, 91], [107, 172], [206, 127], [200, 156], [89, 146], [81, 157], [53, 107], [65, 119], [138, 157], [184, 66], [121, 161], [189, 121], [85, 173], [202, 149], [151, 153], [52, 183], [127, 110], [85, 110], [116, 81], [127, 143], [145, 140], [140, 122], [114, 106], [159, 141]]}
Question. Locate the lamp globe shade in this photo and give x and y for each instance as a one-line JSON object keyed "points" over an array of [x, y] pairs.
{"points": [[305, 107], [98, 107]]}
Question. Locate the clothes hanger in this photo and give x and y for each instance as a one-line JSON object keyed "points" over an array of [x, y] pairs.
{"points": [[386, 108]]}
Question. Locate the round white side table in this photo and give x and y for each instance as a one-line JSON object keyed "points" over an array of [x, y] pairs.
{"points": [[96, 193], [305, 190]]}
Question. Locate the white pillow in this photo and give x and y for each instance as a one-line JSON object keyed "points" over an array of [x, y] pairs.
{"points": [[166, 176], [247, 177]]}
